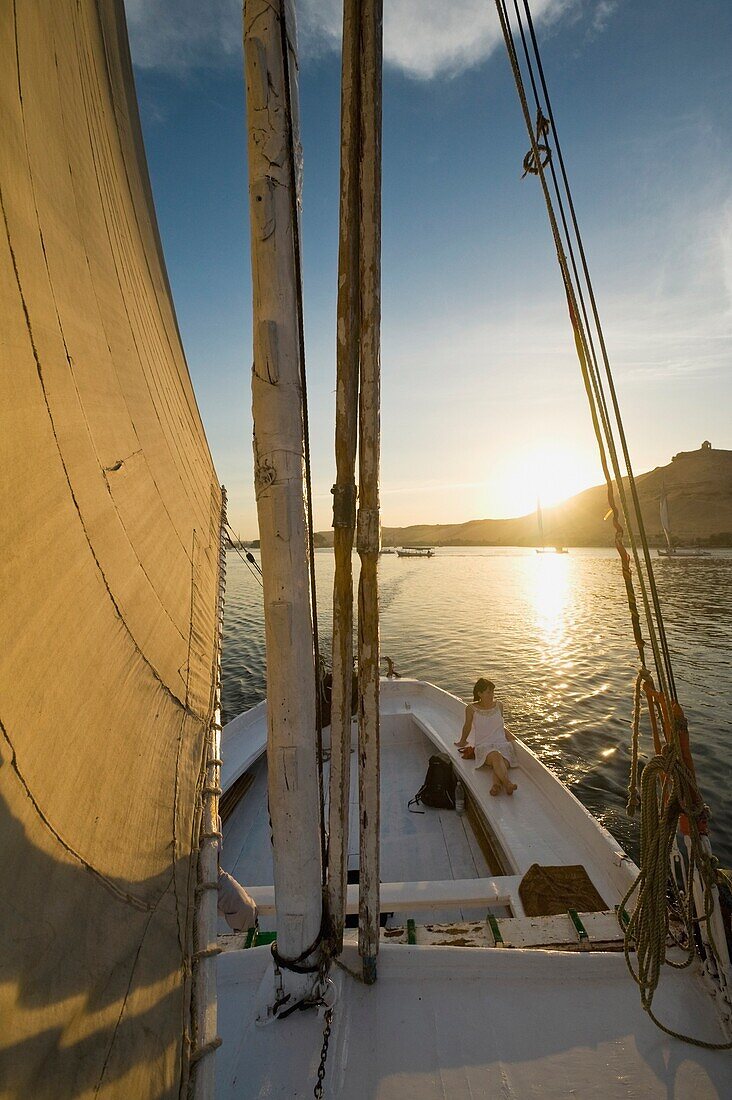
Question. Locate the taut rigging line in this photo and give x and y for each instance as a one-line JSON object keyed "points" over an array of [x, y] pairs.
{"points": [[670, 796]]}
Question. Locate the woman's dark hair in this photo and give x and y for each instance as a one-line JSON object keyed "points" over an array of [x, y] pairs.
{"points": [[482, 685]]}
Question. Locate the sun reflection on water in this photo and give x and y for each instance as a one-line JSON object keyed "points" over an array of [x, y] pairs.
{"points": [[550, 591]]}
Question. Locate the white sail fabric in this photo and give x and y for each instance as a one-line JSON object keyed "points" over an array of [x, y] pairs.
{"points": [[664, 518], [110, 518]]}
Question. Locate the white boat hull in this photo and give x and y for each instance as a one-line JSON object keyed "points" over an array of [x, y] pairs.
{"points": [[684, 554], [471, 1020]]}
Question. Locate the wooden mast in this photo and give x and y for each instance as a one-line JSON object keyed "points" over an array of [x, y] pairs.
{"points": [[344, 490], [368, 527], [279, 483]]}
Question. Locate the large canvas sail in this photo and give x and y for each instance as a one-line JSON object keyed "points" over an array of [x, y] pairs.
{"points": [[110, 518]]}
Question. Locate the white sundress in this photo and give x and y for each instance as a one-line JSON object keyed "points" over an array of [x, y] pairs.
{"points": [[489, 733]]}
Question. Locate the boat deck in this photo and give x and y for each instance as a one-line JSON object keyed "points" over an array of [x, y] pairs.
{"points": [[435, 845], [543, 823], [468, 1023], [463, 1021]]}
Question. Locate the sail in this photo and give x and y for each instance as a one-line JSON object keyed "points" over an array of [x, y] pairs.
{"points": [[664, 519], [540, 522], [110, 517]]}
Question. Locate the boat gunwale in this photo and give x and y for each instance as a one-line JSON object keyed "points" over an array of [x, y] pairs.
{"points": [[606, 855]]}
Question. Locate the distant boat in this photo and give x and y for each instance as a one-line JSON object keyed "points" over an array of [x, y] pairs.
{"points": [[387, 550], [672, 551], [541, 548], [416, 552]]}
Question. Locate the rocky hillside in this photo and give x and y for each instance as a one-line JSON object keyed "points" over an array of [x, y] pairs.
{"points": [[698, 485]]}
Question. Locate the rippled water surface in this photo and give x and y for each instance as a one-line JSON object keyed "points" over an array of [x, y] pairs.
{"points": [[553, 633]]}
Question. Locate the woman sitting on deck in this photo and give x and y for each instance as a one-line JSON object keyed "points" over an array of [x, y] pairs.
{"points": [[493, 742]]}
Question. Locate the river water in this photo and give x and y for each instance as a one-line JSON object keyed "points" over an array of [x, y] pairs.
{"points": [[553, 633]]}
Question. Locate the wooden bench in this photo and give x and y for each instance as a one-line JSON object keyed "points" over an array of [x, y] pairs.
{"points": [[412, 897]]}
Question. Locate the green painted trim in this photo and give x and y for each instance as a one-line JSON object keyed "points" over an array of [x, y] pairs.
{"points": [[255, 938], [265, 938], [493, 925], [579, 927], [411, 932]]}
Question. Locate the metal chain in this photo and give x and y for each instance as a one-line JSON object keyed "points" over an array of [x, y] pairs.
{"points": [[318, 1090], [323, 982]]}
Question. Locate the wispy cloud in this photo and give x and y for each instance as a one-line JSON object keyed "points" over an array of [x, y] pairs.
{"points": [[427, 38], [604, 11], [179, 36], [422, 38]]}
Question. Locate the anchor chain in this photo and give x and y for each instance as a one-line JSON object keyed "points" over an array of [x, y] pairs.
{"points": [[318, 1090], [324, 980]]}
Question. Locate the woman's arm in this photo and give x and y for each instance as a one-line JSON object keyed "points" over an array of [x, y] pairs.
{"points": [[466, 725]]}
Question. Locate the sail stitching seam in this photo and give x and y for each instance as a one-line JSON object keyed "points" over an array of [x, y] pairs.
{"points": [[101, 319], [76, 388], [122, 895], [169, 691], [104, 185]]}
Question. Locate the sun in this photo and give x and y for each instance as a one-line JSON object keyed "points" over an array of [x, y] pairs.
{"points": [[548, 472]]}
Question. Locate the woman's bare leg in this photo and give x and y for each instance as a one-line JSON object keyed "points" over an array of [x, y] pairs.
{"points": [[498, 764], [500, 771]]}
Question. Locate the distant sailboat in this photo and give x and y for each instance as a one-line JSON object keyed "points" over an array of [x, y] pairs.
{"points": [[542, 548], [671, 551]]}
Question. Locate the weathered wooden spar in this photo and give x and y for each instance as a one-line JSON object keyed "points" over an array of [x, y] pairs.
{"points": [[273, 145], [368, 526], [359, 331], [344, 490]]}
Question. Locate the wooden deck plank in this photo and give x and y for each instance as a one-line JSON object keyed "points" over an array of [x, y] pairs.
{"points": [[434, 845]]}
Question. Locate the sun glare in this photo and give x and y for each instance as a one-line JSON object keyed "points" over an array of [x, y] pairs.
{"points": [[549, 473]]}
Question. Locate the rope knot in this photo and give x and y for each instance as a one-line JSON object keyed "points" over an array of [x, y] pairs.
{"points": [[533, 163]]}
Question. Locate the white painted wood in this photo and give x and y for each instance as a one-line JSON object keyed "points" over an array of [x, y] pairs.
{"points": [[474, 1021], [543, 823], [469, 1022], [247, 846], [243, 741], [408, 897], [602, 928], [279, 483]]}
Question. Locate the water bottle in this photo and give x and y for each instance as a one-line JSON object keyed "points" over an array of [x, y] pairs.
{"points": [[459, 798]]}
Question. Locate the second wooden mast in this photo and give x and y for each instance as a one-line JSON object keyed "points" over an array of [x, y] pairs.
{"points": [[359, 339]]}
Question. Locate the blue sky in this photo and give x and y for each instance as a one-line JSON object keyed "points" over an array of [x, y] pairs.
{"points": [[483, 406]]}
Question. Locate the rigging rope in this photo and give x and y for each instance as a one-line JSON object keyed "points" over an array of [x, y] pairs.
{"points": [[600, 426], [543, 127], [670, 796], [247, 557], [663, 654]]}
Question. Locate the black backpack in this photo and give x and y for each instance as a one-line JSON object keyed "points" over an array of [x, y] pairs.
{"points": [[438, 789]]}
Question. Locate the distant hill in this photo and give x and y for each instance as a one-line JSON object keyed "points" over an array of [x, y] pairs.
{"points": [[698, 486]]}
